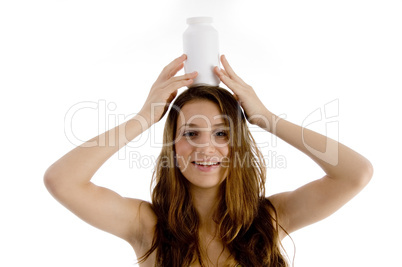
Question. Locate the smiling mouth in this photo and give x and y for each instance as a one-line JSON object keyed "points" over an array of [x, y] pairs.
{"points": [[205, 163]]}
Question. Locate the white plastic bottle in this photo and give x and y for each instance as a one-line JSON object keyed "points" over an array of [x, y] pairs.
{"points": [[201, 45]]}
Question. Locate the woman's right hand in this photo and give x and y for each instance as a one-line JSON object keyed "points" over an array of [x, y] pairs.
{"points": [[164, 90]]}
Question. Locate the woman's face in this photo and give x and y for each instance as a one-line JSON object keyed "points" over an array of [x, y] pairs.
{"points": [[202, 144]]}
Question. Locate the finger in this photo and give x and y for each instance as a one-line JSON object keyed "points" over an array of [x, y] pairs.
{"points": [[173, 67], [224, 72], [229, 70], [186, 76], [174, 86], [227, 67], [233, 85], [177, 64], [174, 71], [218, 71]]}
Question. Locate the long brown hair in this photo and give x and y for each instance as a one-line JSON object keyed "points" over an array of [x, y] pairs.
{"points": [[244, 218]]}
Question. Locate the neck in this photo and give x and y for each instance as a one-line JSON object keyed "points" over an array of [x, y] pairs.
{"points": [[205, 202]]}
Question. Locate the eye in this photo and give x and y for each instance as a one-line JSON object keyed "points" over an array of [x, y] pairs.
{"points": [[189, 134], [221, 134]]}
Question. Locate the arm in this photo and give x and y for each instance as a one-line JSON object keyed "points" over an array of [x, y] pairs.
{"points": [[69, 178], [320, 198]]}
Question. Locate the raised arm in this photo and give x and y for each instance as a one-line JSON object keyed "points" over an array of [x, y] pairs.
{"points": [[347, 172], [69, 178]]}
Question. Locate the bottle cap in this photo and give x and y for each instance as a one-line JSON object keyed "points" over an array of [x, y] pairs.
{"points": [[195, 20]]}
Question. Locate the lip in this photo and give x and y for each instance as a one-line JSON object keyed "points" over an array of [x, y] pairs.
{"points": [[206, 168]]}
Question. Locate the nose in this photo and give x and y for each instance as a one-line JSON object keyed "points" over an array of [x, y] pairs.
{"points": [[205, 144]]}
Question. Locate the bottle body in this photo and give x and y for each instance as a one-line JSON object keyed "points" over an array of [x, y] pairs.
{"points": [[201, 45]]}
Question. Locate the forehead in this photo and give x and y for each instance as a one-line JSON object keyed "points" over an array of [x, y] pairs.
{"points": [[200, 112]]}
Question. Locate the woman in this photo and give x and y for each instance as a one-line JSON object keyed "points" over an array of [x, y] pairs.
{"points": [[208, 205]]}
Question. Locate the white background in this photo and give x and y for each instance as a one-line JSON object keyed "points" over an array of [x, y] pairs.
{"points": [[297, 55]]}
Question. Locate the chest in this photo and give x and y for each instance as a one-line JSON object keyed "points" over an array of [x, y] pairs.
{"points": [[212, 252]]}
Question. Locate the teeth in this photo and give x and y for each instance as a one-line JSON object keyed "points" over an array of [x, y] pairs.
{"points": [[207, 163]]}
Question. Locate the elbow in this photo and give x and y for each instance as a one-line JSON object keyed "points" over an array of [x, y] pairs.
{"points": [[364, 174], [58, 183], [49, 181], [53, 181]]}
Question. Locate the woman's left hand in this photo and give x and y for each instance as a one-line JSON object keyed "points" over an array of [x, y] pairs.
{"points": [[244, 93]]}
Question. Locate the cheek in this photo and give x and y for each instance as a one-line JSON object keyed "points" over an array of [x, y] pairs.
{"points": [[224, 150], [183, 148], [183, 151]]}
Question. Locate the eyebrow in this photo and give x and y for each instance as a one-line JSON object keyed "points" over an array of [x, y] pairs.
{"points": [[197, 126]]}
